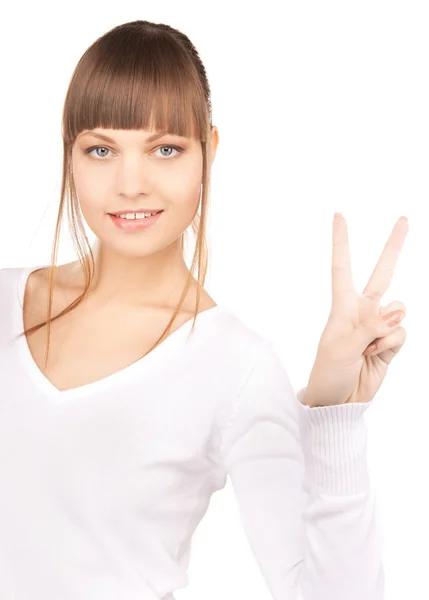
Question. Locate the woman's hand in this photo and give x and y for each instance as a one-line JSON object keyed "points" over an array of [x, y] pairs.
{"points": [[344, 369]]}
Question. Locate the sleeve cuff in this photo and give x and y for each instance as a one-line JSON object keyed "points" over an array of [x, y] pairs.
{"points": [[334, 440]]}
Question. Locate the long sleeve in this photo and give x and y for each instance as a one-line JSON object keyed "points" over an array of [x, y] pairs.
{"points": [[300, 478]]}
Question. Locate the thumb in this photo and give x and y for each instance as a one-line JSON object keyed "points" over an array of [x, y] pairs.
{"points": [[396, 305], [379, 328]]}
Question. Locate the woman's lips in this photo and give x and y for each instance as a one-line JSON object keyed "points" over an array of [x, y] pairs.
{"points": [[135, 224]]}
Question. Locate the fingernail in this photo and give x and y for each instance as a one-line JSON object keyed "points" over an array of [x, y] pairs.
{"points": [[394, 317]]}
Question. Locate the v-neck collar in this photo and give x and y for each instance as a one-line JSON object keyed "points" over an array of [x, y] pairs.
{"points": [[171, 342]]}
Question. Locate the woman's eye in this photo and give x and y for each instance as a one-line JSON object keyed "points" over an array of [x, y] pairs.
{"points": [[90, 150], [177, 148], [168, 147]]}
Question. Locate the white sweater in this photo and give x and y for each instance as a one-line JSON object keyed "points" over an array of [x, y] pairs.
{"points": [[103, 486]]}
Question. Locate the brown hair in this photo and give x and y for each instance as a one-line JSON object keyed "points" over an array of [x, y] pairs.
{"points": [[137, 75]]}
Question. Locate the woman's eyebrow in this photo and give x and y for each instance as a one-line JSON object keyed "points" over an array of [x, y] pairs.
{"points": [[106, 138]]}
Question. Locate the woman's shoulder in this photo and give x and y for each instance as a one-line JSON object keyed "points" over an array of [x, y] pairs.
{"points": [[10, 282], [236, 343], [9, 276]]}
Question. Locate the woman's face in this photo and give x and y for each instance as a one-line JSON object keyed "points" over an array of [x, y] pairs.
{"points": [[129, 172]]}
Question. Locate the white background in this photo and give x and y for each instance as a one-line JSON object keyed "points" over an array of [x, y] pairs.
{"points": [[321, 107]]}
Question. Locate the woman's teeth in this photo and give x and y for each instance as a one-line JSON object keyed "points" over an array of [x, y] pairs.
{"points": [[135, 215]]}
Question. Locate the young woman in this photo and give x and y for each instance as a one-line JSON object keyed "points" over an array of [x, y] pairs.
{"points": [[129, 395]]}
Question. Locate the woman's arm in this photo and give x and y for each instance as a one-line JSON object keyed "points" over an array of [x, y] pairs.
{"points": [[301, 481]]}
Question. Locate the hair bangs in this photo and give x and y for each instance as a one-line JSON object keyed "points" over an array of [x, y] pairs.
{"points": [[137, 82]]}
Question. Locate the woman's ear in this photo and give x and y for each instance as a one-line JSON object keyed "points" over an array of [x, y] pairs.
{"points": [[214, 141]]}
